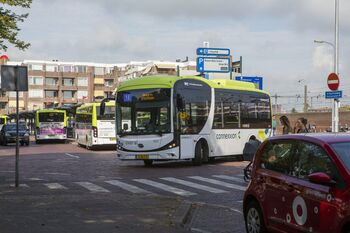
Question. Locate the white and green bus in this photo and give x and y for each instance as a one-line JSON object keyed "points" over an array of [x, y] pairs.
{"points": [[50, 124], [93, 129], [172, 118]]}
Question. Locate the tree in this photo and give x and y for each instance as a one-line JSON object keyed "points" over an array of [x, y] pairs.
{"points": [[8, 23], [294, 110]]}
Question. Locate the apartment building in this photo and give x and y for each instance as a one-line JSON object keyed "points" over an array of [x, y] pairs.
{"points": [[55, 83]]}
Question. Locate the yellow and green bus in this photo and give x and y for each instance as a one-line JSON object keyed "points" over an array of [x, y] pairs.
{"points": [[171, 118], [50, 124], [3, 120], [93, 129]]}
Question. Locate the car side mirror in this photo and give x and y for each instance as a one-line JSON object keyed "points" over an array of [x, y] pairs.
{"points": [[321, 178], [125, 127]]}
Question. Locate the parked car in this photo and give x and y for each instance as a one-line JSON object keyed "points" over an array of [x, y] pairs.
{"points": [[8, 134], [300, 183]]}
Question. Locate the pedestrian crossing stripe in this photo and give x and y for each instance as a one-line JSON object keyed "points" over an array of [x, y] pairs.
{"points": [[239, 180], [194, 185], [218, 182], [93, 187], [165, 187], [55, 186], [127, 187]]}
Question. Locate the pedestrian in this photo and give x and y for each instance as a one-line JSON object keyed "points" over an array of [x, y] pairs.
{"points": [[286, 125], [273, 125], [301, 125]]}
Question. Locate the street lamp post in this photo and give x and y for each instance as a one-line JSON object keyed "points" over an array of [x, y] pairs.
{"points": [[335, 46]]}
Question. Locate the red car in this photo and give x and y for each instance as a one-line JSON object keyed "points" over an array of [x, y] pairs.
{"points": [[300, 183]]}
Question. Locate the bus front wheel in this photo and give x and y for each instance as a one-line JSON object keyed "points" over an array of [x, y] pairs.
{"points": [[200, 154], [148, 162]]}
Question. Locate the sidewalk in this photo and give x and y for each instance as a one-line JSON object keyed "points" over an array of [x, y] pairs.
{"points": [[24, 212], [205, 218]]}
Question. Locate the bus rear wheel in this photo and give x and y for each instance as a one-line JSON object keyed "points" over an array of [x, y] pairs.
{"points": [[148, 162]]}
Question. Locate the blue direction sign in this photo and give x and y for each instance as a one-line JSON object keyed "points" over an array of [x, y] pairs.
{"points": [[258, 81], [334, 94], [213, 51], [213, 64]]}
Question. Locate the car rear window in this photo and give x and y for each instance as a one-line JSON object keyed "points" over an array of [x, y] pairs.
{"points": [[343, 152]]}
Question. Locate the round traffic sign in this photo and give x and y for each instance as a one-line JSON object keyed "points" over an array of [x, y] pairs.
{"points": [[333, 81]]}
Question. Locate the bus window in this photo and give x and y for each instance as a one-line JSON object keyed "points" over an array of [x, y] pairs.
{"points": [[195, 99]]}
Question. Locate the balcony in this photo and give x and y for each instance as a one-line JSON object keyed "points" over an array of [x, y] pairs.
{"points": [[52, 74], [51, 87], [69, 74], [4, 98], [69, 88]]}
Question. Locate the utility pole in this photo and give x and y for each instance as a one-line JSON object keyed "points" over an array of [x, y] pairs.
{"points": [[305, 99]]}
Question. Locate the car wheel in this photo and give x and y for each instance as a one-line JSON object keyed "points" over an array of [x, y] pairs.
{"points": [[148, 162], [254, 221], [22, 143], [5, 142], [27, 143]]}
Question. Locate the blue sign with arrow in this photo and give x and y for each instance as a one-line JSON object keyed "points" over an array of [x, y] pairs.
{"points": [[334, 94], [213, 64], [213, 51]]}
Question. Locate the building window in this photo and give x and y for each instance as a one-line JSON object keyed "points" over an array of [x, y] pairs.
{"points": [[109, 83], [2, 105], [51, 81], [80, 69], [51, 68], [82, 82], [35, 93], [36, 67], [12, 94], [68, 82], [99, 70], [35, 80], [66, 68], [82, 94], [51, 94], [108, 94], [68, 94]]}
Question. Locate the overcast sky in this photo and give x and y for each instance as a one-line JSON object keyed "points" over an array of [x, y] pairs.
{"points": [[274, 37]]}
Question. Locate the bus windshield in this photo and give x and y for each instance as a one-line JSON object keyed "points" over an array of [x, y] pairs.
{"points": [[108, 115], [145, 111], [51, 117]]}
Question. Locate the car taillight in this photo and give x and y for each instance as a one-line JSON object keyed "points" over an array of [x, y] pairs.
{"points": [[94, 129]]}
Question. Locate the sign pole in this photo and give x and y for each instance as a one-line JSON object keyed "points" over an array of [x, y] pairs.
{"points": [[17, 126], [335, 110]]}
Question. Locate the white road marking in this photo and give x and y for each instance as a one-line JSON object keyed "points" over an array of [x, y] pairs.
{"points": [[57, 173], [55, 186], [20, 185], [194, 185], [35, 179], [218, 182], [165, 187], [240, 180], [73, 156], [93, 187], [127, 187]]}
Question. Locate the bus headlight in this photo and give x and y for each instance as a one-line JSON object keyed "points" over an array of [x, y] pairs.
{"points": [[172, 145]]}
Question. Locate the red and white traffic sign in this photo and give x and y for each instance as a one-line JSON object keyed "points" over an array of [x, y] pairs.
{"points": [[333, 81]]}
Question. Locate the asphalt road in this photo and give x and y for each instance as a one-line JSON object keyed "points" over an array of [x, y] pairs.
{"points": [[66, 169]]}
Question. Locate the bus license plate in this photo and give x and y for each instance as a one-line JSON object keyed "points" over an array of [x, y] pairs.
{"points": [[142, 156]]}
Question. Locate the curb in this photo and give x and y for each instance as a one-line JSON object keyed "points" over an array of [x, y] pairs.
{"points": [[183, 215]]}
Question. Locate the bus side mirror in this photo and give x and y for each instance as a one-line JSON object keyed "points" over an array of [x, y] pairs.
{"points": [[103, 105], [125, 127]]}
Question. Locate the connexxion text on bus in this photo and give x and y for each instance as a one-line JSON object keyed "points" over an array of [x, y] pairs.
{"points": [[171, 118], [94, 129], [50, 124]]}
